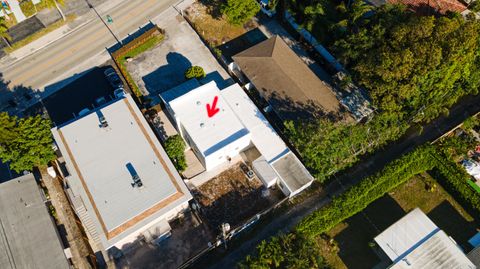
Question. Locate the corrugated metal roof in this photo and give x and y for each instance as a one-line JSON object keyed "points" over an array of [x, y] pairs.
{"points": [[416, 242], [27, 235]]}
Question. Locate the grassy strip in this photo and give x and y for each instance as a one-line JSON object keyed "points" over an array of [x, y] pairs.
{"points": [[39, 34], [122, 59], [473, 185]]}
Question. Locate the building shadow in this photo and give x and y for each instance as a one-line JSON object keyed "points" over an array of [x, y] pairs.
{"points": [[241, 43], [70, 96], [362, 228], [167, 76], [447, 218], [17, 99]]}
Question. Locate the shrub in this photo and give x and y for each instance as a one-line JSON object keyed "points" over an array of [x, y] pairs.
{"points": [[194, 72], [175, 148], [239, 12]]}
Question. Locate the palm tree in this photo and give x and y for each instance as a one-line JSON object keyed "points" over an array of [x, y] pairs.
{"points": [[357, 10], [56, 4]]}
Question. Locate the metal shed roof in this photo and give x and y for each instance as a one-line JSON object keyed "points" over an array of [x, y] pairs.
{"points": [[416, 242], [28, 238]]}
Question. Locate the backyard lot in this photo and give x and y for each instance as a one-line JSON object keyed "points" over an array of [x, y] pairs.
{"points": [[353, 236], [230, 197], [163, 67]]}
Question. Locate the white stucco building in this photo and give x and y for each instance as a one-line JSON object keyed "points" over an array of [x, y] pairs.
{"points": [[237, 126], [121, 183]]}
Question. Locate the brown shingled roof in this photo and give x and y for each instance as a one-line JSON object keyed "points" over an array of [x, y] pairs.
{"points": [[285, 81]]}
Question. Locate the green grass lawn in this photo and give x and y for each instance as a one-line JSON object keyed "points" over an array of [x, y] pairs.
{"points": [[352, 237]]}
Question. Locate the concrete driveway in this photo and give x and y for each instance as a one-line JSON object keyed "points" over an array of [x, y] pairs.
{"points": [[163, 67]]}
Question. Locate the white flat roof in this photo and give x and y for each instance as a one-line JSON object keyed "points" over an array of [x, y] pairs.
{"points": [[264, 137], [416, 242], [102, 161], [208, 133]]}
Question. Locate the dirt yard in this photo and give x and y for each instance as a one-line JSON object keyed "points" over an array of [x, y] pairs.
{"points": [[230, 197], [209, 22]]}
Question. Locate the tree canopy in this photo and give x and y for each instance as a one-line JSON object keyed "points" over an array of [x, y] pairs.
{"points": [[175, 148], [240, 11], [286, 251], [414, 66], [25, 142]]}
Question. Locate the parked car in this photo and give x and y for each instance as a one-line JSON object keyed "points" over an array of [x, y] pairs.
{"points": [[250, 174], [113, 78], [119, 93], [100, 101]]}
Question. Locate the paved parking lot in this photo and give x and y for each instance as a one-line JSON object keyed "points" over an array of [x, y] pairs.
{"points": [[163, 67], [79, 94]]}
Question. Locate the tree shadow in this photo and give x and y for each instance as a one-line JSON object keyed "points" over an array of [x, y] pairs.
{"points": [[353, 241], [447, 218], [213, 7], [17, 100], [167, 76], [288, 109]]}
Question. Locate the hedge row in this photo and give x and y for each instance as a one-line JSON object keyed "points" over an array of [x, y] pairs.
{"points": [[368, 190], [456, 181]]}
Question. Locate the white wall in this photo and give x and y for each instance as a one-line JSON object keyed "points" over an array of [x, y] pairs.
{"points": [[231, 150]]}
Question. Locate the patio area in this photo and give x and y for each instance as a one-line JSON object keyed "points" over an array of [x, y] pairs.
{"points": [[233, 198]]}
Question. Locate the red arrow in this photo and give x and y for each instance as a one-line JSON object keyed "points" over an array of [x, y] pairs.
{"points": [[212, 110]]}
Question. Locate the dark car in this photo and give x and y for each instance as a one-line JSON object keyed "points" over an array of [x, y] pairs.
{"points": [[113, 78], [247, 171]]}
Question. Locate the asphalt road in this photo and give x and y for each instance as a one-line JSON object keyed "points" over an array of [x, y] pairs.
{"points": [[285, 221], [44, 66]]}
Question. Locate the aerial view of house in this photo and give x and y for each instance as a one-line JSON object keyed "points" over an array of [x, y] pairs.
{"points": [[121, 182], [239, 134]]}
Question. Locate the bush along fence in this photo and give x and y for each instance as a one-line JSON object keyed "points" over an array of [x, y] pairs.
{"points": [[357, 198], [133, 48]]}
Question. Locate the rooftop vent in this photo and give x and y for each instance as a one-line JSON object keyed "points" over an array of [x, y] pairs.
{"points": [[101, 118], [137, 182]]}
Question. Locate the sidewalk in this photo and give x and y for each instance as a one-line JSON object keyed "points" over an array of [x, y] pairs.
{"points": [[57, 34]]}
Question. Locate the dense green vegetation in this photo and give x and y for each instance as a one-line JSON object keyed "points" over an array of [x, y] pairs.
{"points": [[413, 67], [175, 148], [327, 146], [240, 11], [286, 251], [329, 20], [25, 142]]}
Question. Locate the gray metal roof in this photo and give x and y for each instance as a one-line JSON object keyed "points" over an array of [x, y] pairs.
{"points": [[28, 237], [103, 161], [415, 241]]}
